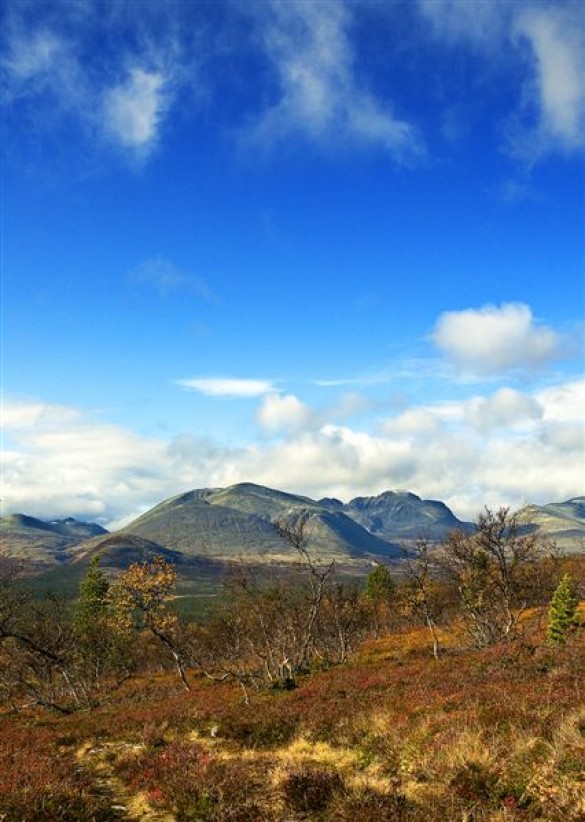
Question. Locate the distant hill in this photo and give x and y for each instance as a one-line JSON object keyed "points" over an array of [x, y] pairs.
{"points": [[400, 515], [206, 527], [119, 550], [225, 523], [44, 543], [563, 522]]}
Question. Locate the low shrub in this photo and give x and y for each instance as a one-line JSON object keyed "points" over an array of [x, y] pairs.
{"points": [[310, 788], [371, 805], [259, 729], [41, 783], [54, 805], [474, 782]]}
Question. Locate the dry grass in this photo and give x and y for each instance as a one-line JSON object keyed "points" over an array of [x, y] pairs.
{"points": [[492, 735]]}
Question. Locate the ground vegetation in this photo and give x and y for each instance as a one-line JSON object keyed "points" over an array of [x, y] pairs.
{"points": [[300, 700]]}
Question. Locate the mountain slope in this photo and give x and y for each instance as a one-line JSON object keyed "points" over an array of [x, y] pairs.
{"points": [[222, 524], [229, 522], [400, 515], [563, 522], [44, 543]]}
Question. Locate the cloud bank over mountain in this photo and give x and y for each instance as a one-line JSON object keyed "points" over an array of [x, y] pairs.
{"points": [[503, 448]]}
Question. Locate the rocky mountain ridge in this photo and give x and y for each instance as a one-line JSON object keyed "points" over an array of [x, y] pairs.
{"points": [[223, 524]]}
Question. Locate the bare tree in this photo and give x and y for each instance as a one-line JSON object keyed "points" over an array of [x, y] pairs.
{"points": [[343, 622], [315, 575], [267, 629], [422, 590], [499, 570]]}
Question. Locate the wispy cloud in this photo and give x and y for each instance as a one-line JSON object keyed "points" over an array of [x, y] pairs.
{"points": [[33, 57], [495, 339], [118, 96], [476, 23], [228, 386], [556, 90], [545, 42], [365, 380], [166, 277], [121, 71], [134, 109], [321, 99]]}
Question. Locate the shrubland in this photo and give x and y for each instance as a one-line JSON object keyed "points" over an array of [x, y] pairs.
{"points": [[440, 693]]}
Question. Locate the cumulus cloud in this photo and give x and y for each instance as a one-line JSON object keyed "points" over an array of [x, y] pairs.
{"points": [[63, 463], [419, 422], [283, 413], [320, 97], [506, 408], [22, 414], [493, 339], [228, 386]]}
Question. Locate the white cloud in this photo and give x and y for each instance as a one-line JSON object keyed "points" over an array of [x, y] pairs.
{"points": [[133, 110], [20, 414], [545, 42], [419, 422], [456, 20], [40, 64], [365, 380], [283, 413], [228, 386], [320, 97], [117, 94], [33, 57], [124, 91], [468, 453], [506, 408], [557, 39], [352, 404], [63, 463], [564, 402], [493, 339]]}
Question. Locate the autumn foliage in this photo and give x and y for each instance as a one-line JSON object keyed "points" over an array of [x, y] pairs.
{"points": [[307, 698]]}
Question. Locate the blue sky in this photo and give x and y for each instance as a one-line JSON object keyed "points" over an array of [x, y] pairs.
{"points": [[332, 247]]}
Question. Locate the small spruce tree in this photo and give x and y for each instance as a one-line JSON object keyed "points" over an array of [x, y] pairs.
{"points": [[102, 640], [92, 604], [379, 592], [563, 612]]}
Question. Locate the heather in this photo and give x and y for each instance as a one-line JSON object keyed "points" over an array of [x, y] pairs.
{"points": [[448, 689], [391, 734]]}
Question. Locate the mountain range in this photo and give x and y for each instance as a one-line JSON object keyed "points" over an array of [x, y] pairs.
{"points": [[209, 526]]}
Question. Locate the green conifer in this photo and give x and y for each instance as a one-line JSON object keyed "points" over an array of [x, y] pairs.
{"points": [[563, 612], [91, 606]]}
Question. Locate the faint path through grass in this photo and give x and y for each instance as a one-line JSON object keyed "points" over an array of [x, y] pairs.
{"points": [[99, 761]]}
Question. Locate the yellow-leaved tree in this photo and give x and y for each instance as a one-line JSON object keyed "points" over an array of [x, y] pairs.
{"points": [[141, 596]]}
